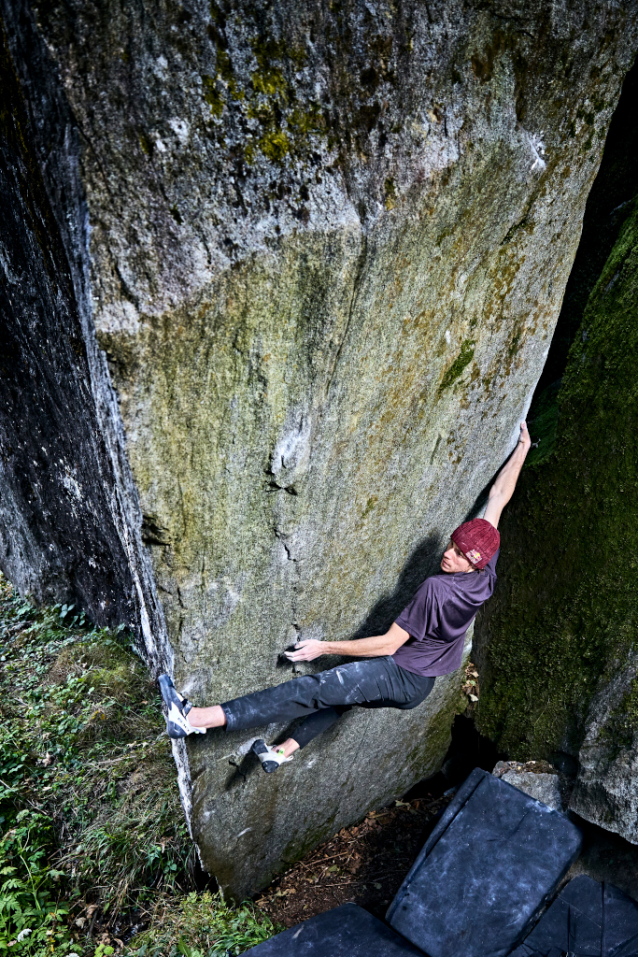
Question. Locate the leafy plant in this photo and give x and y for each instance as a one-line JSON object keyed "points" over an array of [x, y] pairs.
{"points": [[204, 925], [92, 834], [82, 752], [31, 918]]}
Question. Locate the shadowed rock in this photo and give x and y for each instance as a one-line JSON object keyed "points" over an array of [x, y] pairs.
{"points": [[556, 646]]}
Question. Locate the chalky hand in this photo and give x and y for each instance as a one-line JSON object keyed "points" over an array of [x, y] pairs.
{"points": [[306, 650]]}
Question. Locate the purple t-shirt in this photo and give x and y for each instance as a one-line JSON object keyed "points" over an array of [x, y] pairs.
{"points": [[438, 617]]}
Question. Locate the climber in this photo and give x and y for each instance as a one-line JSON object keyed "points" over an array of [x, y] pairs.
{"points": [[424, 642]]}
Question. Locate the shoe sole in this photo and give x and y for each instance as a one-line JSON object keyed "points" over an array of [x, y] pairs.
{"points": [[260, 747], [172, 701], [168, 691]]}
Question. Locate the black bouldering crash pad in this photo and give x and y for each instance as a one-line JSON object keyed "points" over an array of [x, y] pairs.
{"points": [[346, 931], [491, 863], [587, 919]]}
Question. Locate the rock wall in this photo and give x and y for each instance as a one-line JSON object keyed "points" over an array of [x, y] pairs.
{"points": [[69, 527], [558, 643], [326, 250]]}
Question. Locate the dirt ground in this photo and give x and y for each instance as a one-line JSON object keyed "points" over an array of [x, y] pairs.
{"points": [[365, 864]]}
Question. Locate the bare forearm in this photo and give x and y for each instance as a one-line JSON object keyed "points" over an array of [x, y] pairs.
{"points": [[361, 647], [505, 483], [309, 648], [508, 476]]}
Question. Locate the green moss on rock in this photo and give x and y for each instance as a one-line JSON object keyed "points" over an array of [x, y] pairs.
{"points": [[212, 95], [459, 365], [275, 145], [564, 617], [270, 82], [268, 97]]}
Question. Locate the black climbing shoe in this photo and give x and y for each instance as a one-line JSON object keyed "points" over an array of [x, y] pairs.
{"points": [[177, 706], [270, 758]]}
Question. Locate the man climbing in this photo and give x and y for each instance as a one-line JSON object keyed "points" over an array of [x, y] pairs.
{"points": [[400, 669]]}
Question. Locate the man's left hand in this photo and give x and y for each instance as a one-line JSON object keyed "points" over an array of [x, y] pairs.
{"points": [[306, 650], [524, 438]]}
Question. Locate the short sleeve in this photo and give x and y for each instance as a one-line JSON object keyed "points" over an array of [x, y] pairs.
{"points": [[416, 618]]}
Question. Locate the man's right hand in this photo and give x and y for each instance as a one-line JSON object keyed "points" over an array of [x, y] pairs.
{"points": [[306, 650]]}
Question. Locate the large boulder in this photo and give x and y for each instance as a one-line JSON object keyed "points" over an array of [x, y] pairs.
{"points": [[606, 790], [557, 647], [323, 249]]}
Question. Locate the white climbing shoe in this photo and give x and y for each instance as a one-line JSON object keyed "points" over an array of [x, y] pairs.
{"points": [[177, 706], [270, 758]]}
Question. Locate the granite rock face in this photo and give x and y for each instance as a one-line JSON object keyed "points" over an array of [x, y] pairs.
{"points": [[69, 511], [323, 249], [543, 786], [606, 790], [556, 647]]}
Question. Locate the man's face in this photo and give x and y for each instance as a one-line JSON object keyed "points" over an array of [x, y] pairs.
{"points": [[454, 560]]}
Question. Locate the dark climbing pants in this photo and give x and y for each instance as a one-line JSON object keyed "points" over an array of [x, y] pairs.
{"points": [[322, 698]]}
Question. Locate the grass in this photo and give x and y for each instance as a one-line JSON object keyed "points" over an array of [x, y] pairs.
{"points": [[93, 842], [203, 925]]}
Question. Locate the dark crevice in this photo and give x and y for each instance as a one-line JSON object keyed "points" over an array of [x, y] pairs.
{"points": [[468, 750]]}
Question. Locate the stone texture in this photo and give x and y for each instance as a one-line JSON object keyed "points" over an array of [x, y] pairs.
{"points": [[543, 786], [558, 659], [323, 250], [606, 791], [69, 511]]}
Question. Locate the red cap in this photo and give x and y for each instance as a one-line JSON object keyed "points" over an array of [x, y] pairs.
{"points": [[478, 540]]}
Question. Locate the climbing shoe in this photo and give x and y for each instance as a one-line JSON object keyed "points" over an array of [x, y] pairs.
{"points": [[177, 707], [270, 758]]}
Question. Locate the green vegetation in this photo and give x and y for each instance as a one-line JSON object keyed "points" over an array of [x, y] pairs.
{"points": [[459, 365], [145, 144], [267, 96], [204, 926], [274, 144], [212, 95], [566, 613], [92, 834], [390, 191]]}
